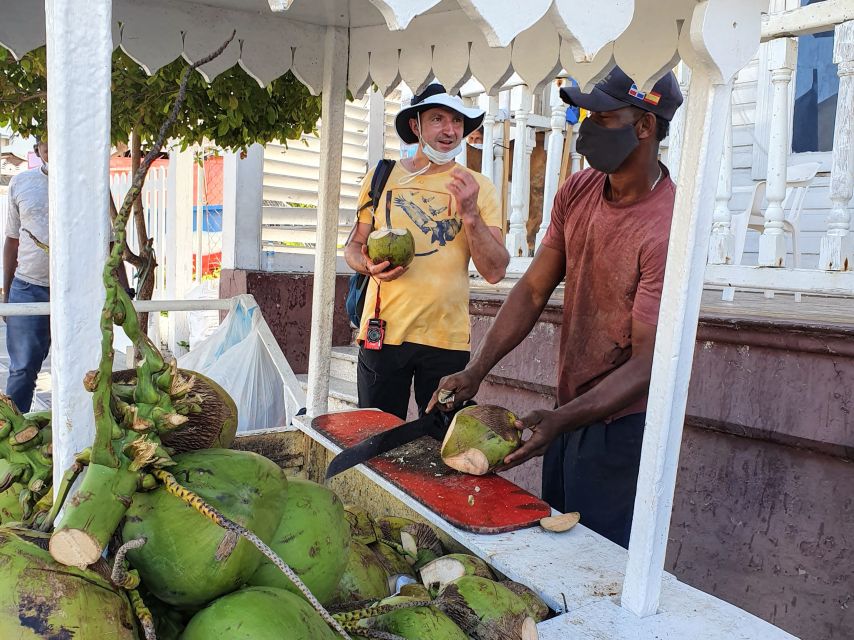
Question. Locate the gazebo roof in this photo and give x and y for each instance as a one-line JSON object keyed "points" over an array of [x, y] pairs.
{"points": [[397, 40]]}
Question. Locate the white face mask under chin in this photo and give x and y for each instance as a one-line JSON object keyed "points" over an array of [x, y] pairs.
{"points": [[441, 157]]}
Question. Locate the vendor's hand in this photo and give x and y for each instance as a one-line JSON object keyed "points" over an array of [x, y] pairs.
{"points": [[381, 271], [464, 187], [462, 386], [544, 426]]}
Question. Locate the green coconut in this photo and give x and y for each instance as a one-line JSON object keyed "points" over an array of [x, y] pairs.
{"points": [[363, 579], [415, 623], [537, 609], [435, 575], [397, 246], [42, 599], [388, 528], [479, 438], [188, 560], [486, 610], [361, 525], [393, 562], [313, 538], [169, 623], [258, 613]]}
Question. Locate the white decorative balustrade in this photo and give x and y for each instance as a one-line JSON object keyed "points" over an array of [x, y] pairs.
{"points": [[836, 248], [787, 183]]}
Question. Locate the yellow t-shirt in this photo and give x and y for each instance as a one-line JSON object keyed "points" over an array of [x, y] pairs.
{"points": [[429, 304]]}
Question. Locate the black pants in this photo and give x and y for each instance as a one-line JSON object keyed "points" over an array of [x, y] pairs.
{"points": [[594, 471], [384, 377]]}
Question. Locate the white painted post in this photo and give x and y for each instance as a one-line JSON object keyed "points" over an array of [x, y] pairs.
{"points": [[376, 128], [705, 119], [331, 149], [530, 143], [721, 240], [200, 212], [677, 126], [488, 157], [79, 50], [554, 155], [462, 156], [575, 157], [772, 243], [242, 212], [179, 243], [516, 243], [837, 247]]}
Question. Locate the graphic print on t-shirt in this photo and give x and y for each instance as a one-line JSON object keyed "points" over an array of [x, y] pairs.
{"points": [[430, 212]]}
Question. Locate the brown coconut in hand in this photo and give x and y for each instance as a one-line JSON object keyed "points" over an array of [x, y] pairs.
{"points": [[479, 438]]}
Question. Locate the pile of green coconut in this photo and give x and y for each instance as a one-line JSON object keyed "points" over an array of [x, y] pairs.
{"points": [[174, 567], [159, 530]]}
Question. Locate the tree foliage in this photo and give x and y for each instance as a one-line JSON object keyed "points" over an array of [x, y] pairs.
{"points": [[232, 112]]}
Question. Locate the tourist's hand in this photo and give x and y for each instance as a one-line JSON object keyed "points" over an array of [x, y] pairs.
{"points": [[381, 271], [464, 187]]}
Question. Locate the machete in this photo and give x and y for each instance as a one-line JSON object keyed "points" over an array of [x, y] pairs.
{"points": [[434, 424]]}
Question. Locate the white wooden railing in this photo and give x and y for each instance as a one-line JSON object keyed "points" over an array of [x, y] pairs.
{"points": [[294, 394], [833, 274]]}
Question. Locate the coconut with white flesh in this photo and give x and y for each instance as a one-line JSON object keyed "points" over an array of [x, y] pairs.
{"points": [[421, 544], [397, 246], [479, 438], [435, 575]]}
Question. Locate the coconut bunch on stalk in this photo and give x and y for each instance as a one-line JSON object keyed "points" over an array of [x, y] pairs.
{"points": [[171, 547]]}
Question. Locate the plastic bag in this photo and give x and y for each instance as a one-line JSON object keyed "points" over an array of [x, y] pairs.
{"points": [[202, 323], [235, 357]]}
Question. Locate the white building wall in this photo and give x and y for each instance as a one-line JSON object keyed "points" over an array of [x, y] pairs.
{"points": [[291, 172]]}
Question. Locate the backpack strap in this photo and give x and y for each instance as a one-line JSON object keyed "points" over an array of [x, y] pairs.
{"points": [[378, 182]]}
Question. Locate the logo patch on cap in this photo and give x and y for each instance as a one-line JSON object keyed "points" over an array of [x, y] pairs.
{"points": [[652, 97]]}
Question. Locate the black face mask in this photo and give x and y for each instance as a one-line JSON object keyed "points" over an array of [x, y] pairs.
{"points": [[606, 149]]}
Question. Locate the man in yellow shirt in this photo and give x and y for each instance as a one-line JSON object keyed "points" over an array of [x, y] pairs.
{"points": [[454, 216]]}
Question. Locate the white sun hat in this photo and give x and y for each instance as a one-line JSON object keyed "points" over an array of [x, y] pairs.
{"points": [[436, 96]]}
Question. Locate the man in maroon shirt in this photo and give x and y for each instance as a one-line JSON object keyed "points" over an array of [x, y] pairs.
{"points": [[608, 239]]}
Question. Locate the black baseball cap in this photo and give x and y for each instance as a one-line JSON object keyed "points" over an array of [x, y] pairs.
{"points": [[617, 90]]}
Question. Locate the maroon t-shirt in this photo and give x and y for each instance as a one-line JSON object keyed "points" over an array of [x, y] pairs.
{"points": [[615, 257]]}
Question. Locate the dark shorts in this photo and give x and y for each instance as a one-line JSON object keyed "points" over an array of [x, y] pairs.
{"points": [[385, 377], [594, 471]]}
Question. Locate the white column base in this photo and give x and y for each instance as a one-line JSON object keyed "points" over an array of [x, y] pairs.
{"points": [[772, 250], [836, 252], [721, 247], [516, 243]]}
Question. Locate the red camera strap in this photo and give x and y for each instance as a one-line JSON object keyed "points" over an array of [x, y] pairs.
{"points": [[377, 306]]}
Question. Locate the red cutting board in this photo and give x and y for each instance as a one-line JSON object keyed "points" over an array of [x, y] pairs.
{"points": [[481, 504]]}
